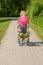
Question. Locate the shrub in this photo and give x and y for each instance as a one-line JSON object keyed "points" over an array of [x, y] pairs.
{"points": [[36, 9]]}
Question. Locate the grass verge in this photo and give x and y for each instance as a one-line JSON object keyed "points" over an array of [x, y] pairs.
{"points": [[37, 25], [4, 23]]}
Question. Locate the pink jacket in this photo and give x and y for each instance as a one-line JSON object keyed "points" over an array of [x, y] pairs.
{"points": [[23, 20]]}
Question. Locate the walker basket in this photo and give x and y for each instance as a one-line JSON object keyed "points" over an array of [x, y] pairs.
{"points": [[24, 35]]}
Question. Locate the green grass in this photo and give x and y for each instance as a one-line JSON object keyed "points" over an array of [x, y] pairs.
{"points": [[37, 25], [3, 26]]}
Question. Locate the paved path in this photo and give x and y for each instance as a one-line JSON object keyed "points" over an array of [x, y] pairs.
{"points": [[13, 54]]}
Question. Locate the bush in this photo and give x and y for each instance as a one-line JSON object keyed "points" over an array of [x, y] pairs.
{"points": [[36, 9]]}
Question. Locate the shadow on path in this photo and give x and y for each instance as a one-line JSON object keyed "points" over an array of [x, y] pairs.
{"points": [[34, 43]]}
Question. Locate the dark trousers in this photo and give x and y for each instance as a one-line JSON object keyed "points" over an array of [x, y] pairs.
{"points": [[23, 29]]}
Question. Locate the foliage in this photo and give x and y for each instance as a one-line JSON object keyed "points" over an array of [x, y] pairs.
{"points": [[35, 12], [36, 8], [12, 7]]}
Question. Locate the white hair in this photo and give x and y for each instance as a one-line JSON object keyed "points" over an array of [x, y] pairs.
{"points": [[22, 13]]}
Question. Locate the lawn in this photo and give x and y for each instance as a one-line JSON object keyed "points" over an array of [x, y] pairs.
{"points": [[4, 23], [37, 25]]}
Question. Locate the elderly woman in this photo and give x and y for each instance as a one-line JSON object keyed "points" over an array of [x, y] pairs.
{"points": [[23, 21]]}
